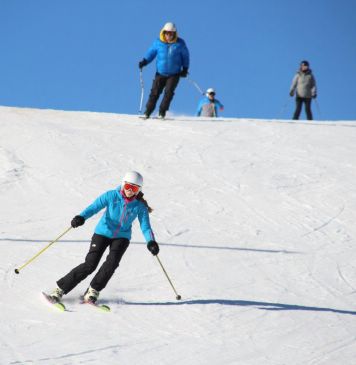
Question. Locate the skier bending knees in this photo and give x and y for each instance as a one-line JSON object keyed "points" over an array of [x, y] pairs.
{"points": [[122, 206]]}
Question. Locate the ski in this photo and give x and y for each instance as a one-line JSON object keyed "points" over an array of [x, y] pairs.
{"points": [[58, 305], [158, 118], [101, 307]]}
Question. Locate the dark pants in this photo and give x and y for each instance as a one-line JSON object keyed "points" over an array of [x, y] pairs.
{"points": [[299, 101], [98, 246], [169, 84]]}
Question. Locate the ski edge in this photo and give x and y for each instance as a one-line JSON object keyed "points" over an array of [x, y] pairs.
{"points": [[101, 307], [58, 305], [154, 118]]}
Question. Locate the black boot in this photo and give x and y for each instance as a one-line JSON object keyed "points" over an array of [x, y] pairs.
{"points": [[161, 114], [146, 115]]}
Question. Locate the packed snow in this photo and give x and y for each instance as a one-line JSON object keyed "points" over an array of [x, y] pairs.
{"points": [[255, 221]]}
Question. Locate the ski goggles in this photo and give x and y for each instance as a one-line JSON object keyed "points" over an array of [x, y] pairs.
{"points": [[134, 188]]}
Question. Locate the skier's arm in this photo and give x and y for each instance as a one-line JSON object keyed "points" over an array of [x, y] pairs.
{"points": [[145, 224], [313, 90], [185, 56], [219, 105], [294, 85], [151, 53], [98, 204], [198, 112], [146, 229]]}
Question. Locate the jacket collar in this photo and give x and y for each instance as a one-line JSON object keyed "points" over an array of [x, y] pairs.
{"points": [[126, 199]]}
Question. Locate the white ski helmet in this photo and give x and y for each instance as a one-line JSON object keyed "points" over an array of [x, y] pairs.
{"points": [[169, 27], [133, 177], [210, 91]]}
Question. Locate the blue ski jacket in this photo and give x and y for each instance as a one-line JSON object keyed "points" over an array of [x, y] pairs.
{"points": [[120, 212], [171, 57], [208, 108]]}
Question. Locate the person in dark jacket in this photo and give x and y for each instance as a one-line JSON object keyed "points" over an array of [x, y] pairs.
{"points": [[122, 207], [305, 87], [172, 63]]}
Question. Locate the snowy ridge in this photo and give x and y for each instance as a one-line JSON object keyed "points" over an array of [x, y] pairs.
{"points": [[256, 221]]}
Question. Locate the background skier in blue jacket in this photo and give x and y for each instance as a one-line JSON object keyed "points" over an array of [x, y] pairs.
{"points": [[172, 63], [209, 106], [122, 207]]}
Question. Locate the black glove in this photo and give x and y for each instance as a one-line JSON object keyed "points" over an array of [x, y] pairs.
{"points": [[184, 72], [291, 93], [153, 247], [314, 96], [142, 63], [77, 221]]}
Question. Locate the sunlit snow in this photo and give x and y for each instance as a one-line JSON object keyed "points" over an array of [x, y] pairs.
{"points": [[256, 222]]}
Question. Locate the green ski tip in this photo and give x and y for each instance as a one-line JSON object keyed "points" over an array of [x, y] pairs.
{"points": [[104, 308], [60, 306]]}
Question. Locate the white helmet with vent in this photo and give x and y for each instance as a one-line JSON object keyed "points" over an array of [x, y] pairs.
{"points": [[133, 177]]}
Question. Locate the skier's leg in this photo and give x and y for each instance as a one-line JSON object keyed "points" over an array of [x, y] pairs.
{"points": [[298, 107], [308, 111], [107, 269], [73, 278], [157, 87], [172, 83]]}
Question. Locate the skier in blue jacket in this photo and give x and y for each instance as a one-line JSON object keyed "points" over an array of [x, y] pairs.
{"points": [[122, 207], [209, 106], [172, 63]]}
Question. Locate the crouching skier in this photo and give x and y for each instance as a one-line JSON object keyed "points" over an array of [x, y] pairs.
{"points": [[123, 206]]}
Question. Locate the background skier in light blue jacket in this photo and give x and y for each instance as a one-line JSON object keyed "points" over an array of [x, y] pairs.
{"points": [[209, 106], [172, 63], [122, 207]]}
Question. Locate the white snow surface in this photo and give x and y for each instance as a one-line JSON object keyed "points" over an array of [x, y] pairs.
{"points": [[256, 223]]}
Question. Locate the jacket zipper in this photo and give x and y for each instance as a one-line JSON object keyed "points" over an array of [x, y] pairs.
{"points": [[121, 220]]}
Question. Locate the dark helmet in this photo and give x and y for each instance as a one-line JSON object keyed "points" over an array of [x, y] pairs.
{"points": [[305, 63]]}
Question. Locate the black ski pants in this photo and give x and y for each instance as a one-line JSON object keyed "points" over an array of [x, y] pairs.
{"points": [[160, 83], [298, 107], [98, 246]]}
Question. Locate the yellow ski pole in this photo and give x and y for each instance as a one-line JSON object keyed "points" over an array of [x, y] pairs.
{"points": [[17, 271], [178, 297]]}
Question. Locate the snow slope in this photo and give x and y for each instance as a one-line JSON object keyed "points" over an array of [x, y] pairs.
{"points": [[256, 222]]}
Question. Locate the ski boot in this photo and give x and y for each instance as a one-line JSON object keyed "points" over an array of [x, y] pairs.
{"points": [[146, 115], [161, 115], [56, 295], [91, 295]]}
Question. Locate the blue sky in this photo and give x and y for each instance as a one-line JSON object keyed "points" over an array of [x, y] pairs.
{"points": [[83, 54]]}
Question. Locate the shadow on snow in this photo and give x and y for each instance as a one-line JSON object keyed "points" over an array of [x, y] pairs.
{"points": [[246, 303], [209, 247]]}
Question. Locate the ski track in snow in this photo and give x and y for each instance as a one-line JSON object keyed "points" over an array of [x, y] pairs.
{"points": [[12, 168], [255, 220]]}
